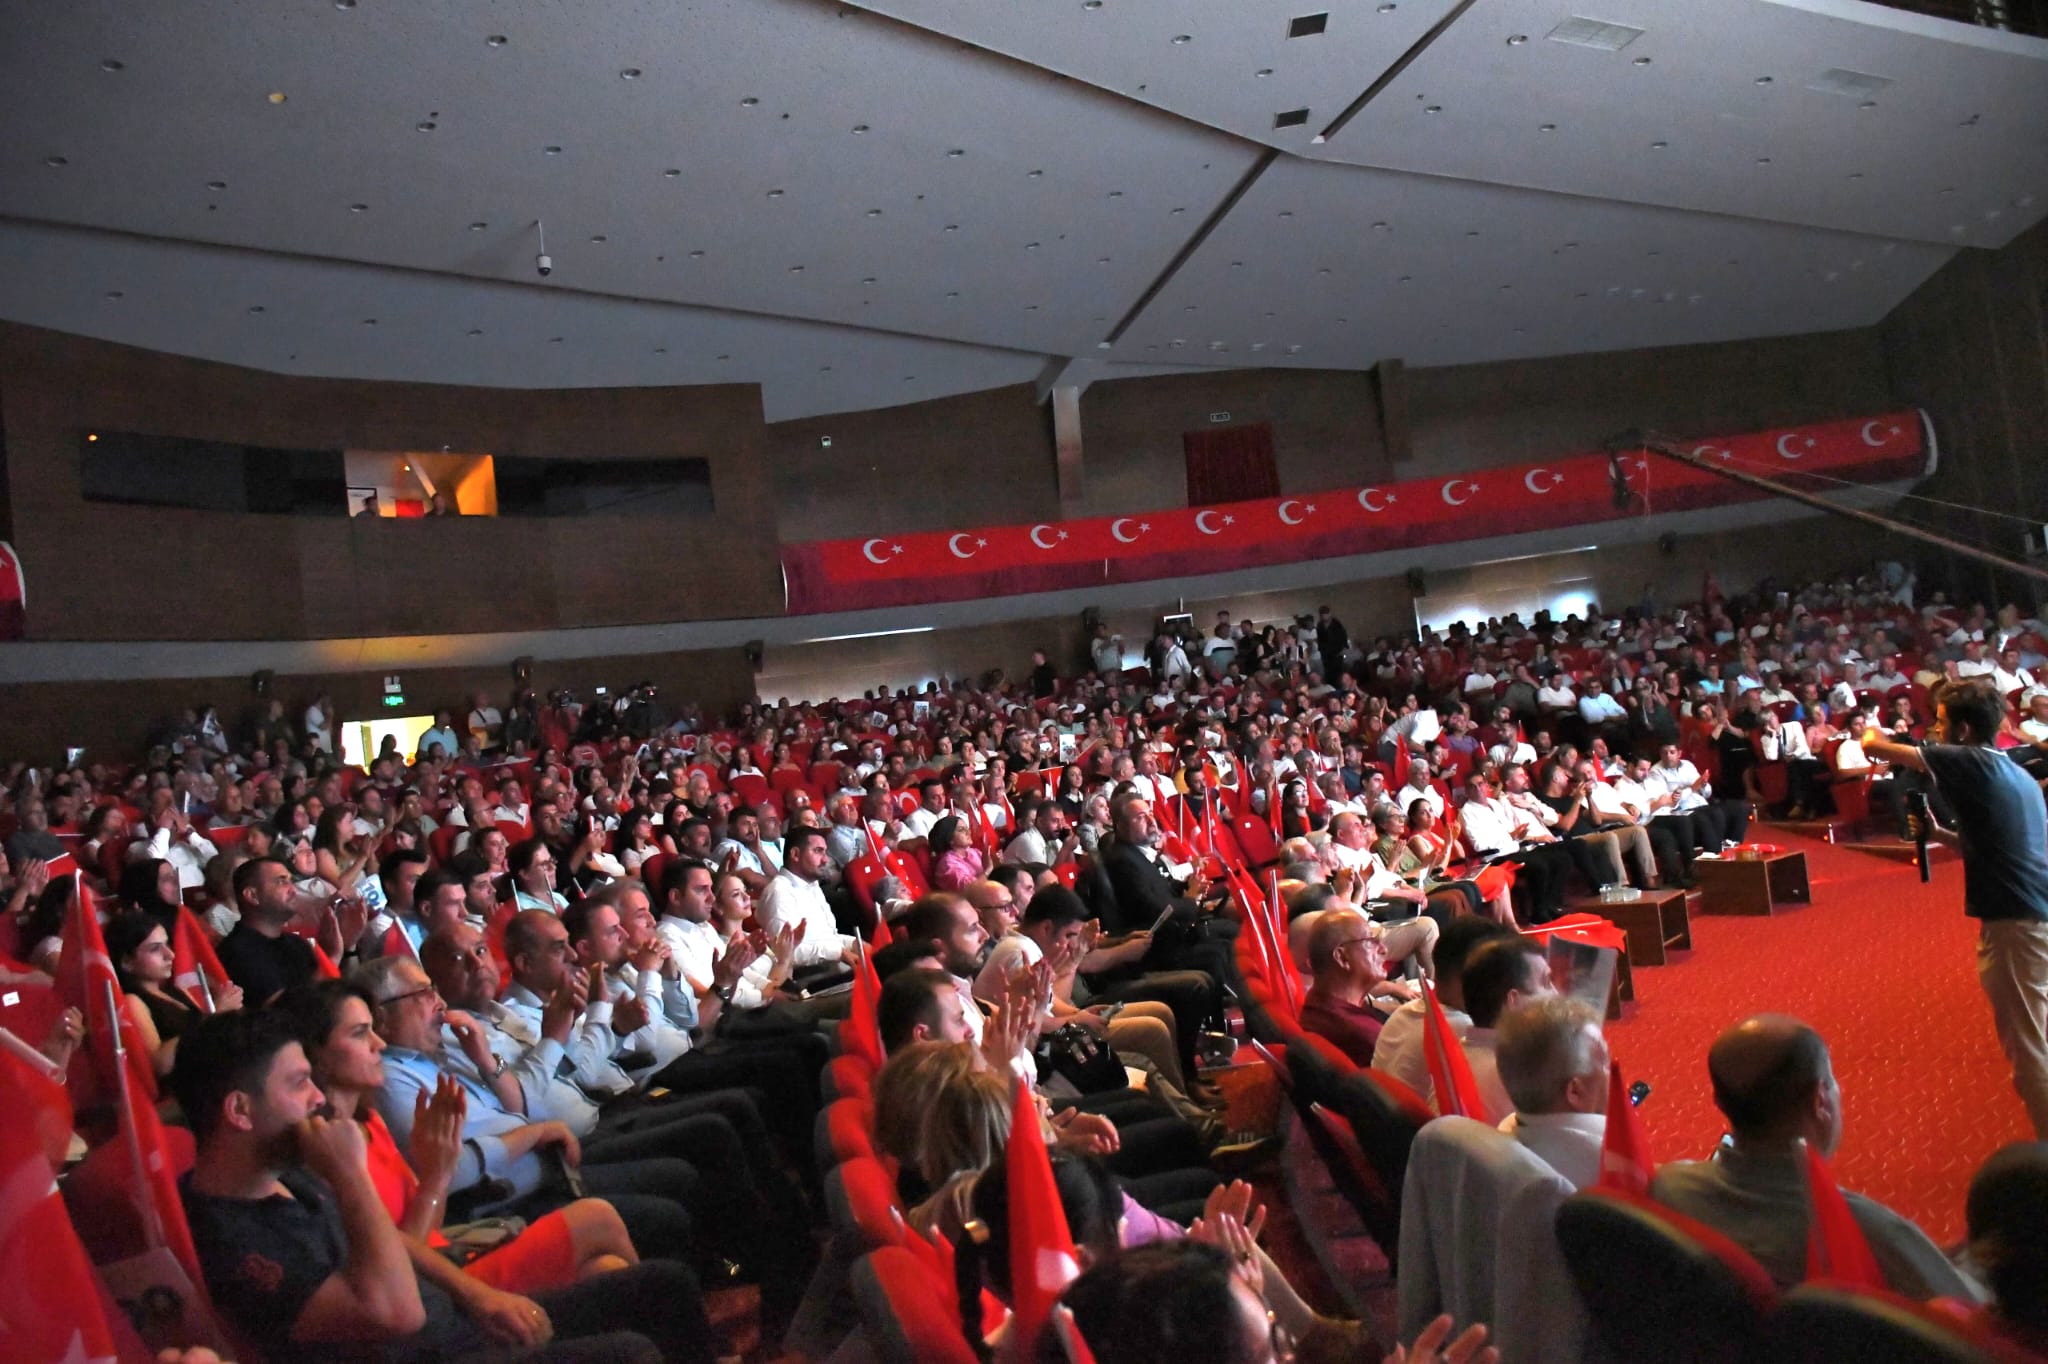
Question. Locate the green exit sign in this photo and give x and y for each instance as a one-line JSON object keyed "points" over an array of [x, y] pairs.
{"points": [[394, 701]]}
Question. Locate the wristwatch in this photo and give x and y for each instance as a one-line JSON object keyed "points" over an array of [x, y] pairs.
{"points": [[724, 993]]}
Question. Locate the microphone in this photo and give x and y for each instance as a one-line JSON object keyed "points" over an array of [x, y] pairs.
{"points": [[1923, 817]]}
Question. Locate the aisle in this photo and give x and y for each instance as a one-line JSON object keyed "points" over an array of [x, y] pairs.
{"points": [[1885, 968]]}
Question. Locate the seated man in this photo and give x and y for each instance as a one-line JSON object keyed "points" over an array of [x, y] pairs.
{"points": [[1775, 1084], [1553, 1065], [297, 1249], [1399, 1050], [1499, 976], [1144, 889], [1350, 961], [260, 956], [796, 896], [1494, 830], [1718, 823]]}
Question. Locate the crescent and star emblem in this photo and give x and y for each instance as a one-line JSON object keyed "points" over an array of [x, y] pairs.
{"points": [[1450, 483], [1202, 525], [1868, 427], [1711, 452], [1116, 529], [1366, 495], [1307, 510], [1529, 480], [1058, 536], [1806, 443], [868, 552], [953, 543]]}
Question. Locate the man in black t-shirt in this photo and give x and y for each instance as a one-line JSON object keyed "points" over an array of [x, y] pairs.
{"points": [[2001, 829], [297, 1249], [260, 956]]}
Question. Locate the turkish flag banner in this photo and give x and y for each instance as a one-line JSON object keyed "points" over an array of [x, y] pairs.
{"points": [[993, 561]]}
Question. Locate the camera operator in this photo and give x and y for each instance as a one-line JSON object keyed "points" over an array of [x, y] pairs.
{"points": [[2001, 829]]}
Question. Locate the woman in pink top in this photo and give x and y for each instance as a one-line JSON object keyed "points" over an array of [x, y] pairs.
{"points": [[955, 859]]}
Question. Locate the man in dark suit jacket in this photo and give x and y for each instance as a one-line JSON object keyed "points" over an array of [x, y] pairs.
{"points": [[1189, 940]]}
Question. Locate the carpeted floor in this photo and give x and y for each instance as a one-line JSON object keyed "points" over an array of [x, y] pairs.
{"points": [[1885, 968]]}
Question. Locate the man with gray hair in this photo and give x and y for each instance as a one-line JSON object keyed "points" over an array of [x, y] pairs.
{"points": [[1553, 1064]]}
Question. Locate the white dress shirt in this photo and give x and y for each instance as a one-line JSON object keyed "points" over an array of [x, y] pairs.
{"points": [[1677, 781], [918, 823], [1598, 707], [1569, 1143], [791, 899], [1429, 795], [1399, 1051], [189, 855], [697, 948]]}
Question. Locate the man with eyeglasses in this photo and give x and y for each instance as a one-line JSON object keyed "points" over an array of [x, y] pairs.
{"points": [[1349, 960], [509, 1164]]}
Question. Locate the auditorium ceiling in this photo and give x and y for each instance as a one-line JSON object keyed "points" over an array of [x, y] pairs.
{"points": [[861, 205]]}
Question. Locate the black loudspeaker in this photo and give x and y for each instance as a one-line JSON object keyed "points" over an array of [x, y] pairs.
{"points": [[260, 681], [522, 670], [1417, 584], [755, 651], [1667, 543], [1091, 616]]}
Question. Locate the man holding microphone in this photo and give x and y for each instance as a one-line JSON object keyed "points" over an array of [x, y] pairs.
{"points": [[2001, 829]]}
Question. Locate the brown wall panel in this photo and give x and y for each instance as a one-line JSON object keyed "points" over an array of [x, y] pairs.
{"points": [[117, 572]]}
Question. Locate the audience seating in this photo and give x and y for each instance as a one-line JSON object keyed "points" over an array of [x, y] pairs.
{"points": [[1658, 1285], [1830, 1324], [908, 1318]]}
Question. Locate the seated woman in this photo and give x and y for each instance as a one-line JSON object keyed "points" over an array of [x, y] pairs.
{"points": [[533, 877], [956, 862], [151, 887], [635, 841], [1432, 853], [144, 965], [333, 1021]]}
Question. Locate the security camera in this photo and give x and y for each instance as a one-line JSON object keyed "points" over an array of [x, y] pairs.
{"points": [[545, 264]]}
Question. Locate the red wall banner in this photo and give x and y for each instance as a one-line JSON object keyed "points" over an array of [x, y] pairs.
{"points": [[992, 561]]}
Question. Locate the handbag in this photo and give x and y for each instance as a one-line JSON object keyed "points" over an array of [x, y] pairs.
{"points": [[1080, 1058]]}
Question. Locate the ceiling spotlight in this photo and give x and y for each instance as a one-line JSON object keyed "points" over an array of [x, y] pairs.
{"points": [[598, 239], [478, 227], [359, 208], [277, 97], [113, 64], [495, 40], [671, 173], [216, 185], [825, 441], [551, 150], [114, 295], [1763, 80], [476, 331], [1432, 108], [1517, 39], [1183, 39], [860, 127], [1658, 146], [369, 322], [425, 125], [1642, 61], [1091, 4], [774, 194], [631, 73], [255, 307], [56, 161], [1546, 127], [956, 153], [749, 102], [344, 4]]}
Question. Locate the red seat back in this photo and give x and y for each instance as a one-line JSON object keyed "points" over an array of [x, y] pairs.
{"points": [[862, 1201], [910, 1317]]}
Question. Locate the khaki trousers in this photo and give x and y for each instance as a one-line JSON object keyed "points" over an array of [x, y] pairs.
{"points": [[2012, 963]]}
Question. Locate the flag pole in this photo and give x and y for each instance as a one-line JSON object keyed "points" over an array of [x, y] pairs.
{"points": [[152, 1224], [30, 1057]]}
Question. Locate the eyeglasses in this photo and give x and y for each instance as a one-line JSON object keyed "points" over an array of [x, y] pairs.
{"points": [[409, 994]]}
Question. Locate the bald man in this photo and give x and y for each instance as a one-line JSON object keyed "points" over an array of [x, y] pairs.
{"points": [[1774, 1082]]}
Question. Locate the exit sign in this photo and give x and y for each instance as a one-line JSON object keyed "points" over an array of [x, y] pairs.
{"points": [[393, 701]]}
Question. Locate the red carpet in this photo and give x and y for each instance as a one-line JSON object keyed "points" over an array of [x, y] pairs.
{"points": [[1885, 968]]}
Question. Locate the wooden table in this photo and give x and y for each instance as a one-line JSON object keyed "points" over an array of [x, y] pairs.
{"points": [[1752, 885], [1655, 923]]}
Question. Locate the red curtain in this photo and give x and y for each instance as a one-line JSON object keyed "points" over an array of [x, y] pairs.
{"points": [[1230, 464]]}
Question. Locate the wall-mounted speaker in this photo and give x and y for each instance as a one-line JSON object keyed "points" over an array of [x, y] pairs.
{"points": [[1417, 584], [1667, 543], [261, 681], [1091, 616], [522, 670], [755, 651]]}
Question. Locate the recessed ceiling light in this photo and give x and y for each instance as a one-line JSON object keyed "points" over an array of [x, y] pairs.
{"points": [[661, 350], [1546, 127], [671, 173], [344, 4], [869, 280], [1642, 61], [1308, 25], [874, 213], [598, 239], [495, 40], [551, 150], [1116, 194], [1763, 80], [774, 194], [369, 322], [696, 255], [1034, 174], [956, 153], [1031, 307], [114, 295], [255, 307], [359, 208], [796, 269], [1263, 72], [216, 185], [952, 227], [859, 128], [952, 293], [1324, 271], [1387, 8], [57, 162], [1031, 246], [1183, 39], [1473, 233], [1091, 4], [1102, 260], [1432, 108], [113, 64], [276, 97], [749, 102], [1658, 146], [1405, 279], [476, 331], [425, 125], [554, 340], [722, 357], [631, 73], [1868, 104], [824, 369], [1517, 39], [1287, 213], [1763, 160]]}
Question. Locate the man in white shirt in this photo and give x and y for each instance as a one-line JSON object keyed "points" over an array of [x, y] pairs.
{"points": [[1478, 682], [2035, 725], [1417, 730], [1556, 695], [1499, 977], [1887, 678], [1496, 830], [1598, 709], [486, 723], [1719, 823], [931, 808], [1973, 663], [173, 839], [1418, 788], [1552, 1061], [2009, 674], [320, 723], [1044, 839], [1152, 783], [743, 850], [795, 897], [1399, 1051]]}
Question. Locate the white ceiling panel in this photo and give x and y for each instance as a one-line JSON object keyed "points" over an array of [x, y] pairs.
{"points": [[1855, 120], [1337, 267], [844, 169], [1228, 63], [336, 320]]}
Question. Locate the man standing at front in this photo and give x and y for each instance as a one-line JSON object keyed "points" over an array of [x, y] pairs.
{"points": [[2001, 829]]}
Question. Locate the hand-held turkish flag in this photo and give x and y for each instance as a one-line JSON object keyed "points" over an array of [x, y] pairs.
{"points": [[883, 934], [864, 1033], [37, 1087], [155, 1193], [1835, 1246], [85, 982], [49, 1300], [196, 967], [1625, 1160], [1449, 1071], [324, 967], [1042, 1258]]}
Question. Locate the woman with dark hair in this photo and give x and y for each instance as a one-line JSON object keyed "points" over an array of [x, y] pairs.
{"points": [[532, 864], [588, 865], [955, 859], [333, 1020], [293, 822], [151, 887], [635, 840], [143, 961], [41, 931]]}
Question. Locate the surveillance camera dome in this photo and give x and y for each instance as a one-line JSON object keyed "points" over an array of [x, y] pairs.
{"points": [[545, 264]]}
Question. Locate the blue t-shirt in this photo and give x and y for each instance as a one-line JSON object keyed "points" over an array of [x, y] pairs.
{"points": [[2001, 826]]}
